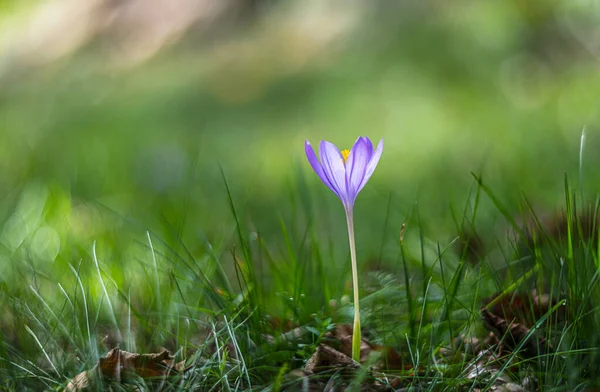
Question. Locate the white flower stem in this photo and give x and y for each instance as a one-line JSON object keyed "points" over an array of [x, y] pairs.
{"points": [[356, 339]]}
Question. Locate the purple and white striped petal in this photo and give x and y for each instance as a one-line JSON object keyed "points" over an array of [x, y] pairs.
{"points": [[368, 141], [334, 168], [356, 166], [317, 167], [372, 165]]}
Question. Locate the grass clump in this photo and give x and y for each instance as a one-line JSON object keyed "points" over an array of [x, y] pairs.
{"points": [[250, 313]]}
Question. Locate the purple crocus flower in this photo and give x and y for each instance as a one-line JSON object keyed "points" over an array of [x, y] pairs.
{"points": [[345, 172]]}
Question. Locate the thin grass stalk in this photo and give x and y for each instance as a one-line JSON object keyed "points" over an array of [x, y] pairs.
{"points": [[409, 296], [581, 147]]}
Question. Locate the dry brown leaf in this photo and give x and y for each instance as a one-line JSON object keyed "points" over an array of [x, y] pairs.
{"points": [[485, 366], [325, 358], [326, 364], [512, 334], [390, 358], [525, 308], [343, 333], [118, 366]]}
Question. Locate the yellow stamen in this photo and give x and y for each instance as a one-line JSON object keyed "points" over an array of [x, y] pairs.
{"points": [[345, 154]]}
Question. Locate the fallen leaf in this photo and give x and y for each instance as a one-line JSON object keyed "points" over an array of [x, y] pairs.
{"points": [[119, 366], [513, 334], [326, 358], [526, 308], [341, 340], [343, 334]]}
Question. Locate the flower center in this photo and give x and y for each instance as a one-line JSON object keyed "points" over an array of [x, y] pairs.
{"points": [[345, 154]]}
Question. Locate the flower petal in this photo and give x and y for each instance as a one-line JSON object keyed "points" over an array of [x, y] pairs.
{"points": [[372, 165], [368, 141], [356, 166], [334, 169], [317, 167]]}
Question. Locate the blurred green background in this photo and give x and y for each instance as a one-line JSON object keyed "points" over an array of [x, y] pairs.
{"points": [[117, 117]]}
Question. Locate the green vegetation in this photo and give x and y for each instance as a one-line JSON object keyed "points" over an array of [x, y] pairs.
{"points": [[168, 204]]}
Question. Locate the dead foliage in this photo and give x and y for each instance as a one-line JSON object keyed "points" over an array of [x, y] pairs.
{"points": [[389, 359], [326, 358], [121, 366], [331, 370], [555, 227], [331, 365], [526, 308], [486, 367], [513, 335]]}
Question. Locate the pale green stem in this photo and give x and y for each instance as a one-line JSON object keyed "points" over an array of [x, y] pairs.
{"points": [[356, 339]]}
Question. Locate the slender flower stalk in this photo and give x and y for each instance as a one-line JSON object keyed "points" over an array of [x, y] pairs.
{"points": [[356, 339], [346, 172]]}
